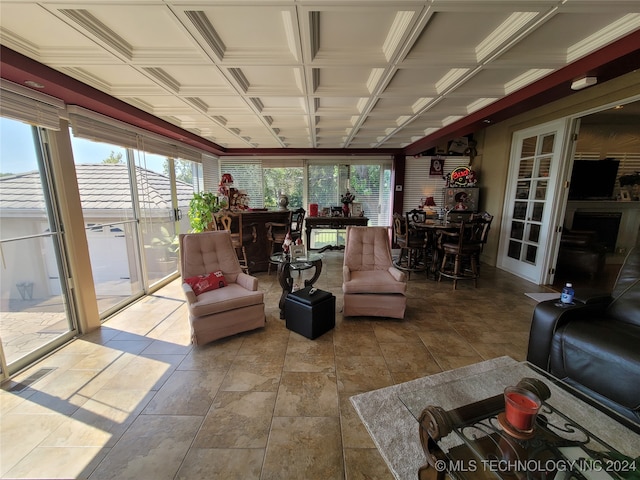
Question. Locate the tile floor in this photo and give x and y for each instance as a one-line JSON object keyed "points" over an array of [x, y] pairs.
{"points": [[135, 400]]}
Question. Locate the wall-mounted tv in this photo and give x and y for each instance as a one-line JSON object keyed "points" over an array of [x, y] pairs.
{"points": [[593, 179]]}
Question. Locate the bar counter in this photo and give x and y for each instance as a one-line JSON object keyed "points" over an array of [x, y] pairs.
{"points": [[258, 253]]}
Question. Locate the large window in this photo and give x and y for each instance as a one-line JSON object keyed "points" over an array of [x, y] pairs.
{"points": [[283, 180], [315, 181], [370, 182]]}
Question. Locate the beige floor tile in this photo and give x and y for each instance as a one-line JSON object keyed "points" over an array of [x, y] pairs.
{"points": [[300, 362], [408, 357], [222, 464], [215, 355], [186, 392], [354, 433], [101, 421], [447, 343], [253, 372], [237, 420], [299, 448], [449, 362], [146, 372], [319, 346], [153, 447], [30, 430], [361, 374], [137, 394], [307, 394], [352, 344], [59, 462]]}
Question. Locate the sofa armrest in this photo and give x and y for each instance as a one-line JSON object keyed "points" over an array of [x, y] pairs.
{"points": [[397, 274], [189, 293], [591, 295], [346, 273], [247, 281], [547, 317]]}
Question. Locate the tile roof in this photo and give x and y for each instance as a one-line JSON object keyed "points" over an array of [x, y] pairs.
{"points": [[102, 187]]}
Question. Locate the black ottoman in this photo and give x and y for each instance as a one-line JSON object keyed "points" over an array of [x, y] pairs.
{"points": [[310, 315]]}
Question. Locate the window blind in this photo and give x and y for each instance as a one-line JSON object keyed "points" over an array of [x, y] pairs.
{"points": [[419, 184], [94, 126], [210, 172], [26, 105], [247, 175], [323, 185], [282, 162]]}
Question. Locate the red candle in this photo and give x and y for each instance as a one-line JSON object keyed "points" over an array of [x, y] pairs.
{"points": [[521, 408]]}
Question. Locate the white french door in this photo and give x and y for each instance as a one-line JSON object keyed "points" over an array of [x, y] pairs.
{"points": [[530, 211]]}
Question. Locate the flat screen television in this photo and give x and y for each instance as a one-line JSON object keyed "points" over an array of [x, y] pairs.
{"points": [[593, 179]]}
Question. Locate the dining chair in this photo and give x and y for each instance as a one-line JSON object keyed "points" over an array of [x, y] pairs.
{"points": [[297, 223], [240, 235], [276, 234]]}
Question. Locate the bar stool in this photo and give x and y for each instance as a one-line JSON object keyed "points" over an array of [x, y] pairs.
{"points": [[412, 246], [239, 237], [458, 249]]}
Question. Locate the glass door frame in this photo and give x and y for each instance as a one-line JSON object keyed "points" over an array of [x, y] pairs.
{"points": [[541, 271], [56, 233]]}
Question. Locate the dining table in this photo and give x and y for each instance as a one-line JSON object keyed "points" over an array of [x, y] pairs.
{"points": [[431, 227]]}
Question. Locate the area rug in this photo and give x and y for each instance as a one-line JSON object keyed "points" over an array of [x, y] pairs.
{"points": [[541, 297], [392, 427]]}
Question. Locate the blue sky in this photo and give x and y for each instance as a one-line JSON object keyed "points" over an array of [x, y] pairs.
{"points": [[17, 154]]}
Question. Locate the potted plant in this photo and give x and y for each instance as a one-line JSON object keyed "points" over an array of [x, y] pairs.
{"points": [[166, 245], [202, 210]]}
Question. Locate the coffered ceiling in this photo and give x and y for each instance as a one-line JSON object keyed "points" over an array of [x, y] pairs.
{"points": [[300, 74]]}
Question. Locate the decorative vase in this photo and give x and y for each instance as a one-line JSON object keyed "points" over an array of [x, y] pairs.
{"points": [[283, 202], [345, 209]]}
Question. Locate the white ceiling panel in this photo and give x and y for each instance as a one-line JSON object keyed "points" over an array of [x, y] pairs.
{"points": [[312, 73]]}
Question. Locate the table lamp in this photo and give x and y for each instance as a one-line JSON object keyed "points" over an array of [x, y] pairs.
{"points": [[429, 205]]}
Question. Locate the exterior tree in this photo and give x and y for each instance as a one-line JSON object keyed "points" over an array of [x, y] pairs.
{"points": [[113, 159], [184, 170]]}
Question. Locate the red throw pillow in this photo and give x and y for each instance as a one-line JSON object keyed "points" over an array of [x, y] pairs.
{"points": [[206, 282]]}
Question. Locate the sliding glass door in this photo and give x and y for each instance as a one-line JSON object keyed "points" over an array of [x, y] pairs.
{"points": [[111, 222], [164, 188], [37, 314]]}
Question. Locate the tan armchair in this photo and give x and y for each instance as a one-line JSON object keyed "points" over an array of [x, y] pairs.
{"points": [[226, 310], [372, 286]]}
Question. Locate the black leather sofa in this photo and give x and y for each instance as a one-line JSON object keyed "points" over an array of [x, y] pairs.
{"points": [[594, 345]]}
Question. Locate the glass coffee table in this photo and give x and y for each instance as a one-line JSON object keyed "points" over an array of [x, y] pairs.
{"points": [[287, 264], [463, 433]]}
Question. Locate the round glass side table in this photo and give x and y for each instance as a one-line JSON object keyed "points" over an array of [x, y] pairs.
{"points": [[286, 265]]}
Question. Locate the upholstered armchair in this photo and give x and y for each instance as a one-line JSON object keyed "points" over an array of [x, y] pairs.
{"points": [[372, 286], [221, 299]]}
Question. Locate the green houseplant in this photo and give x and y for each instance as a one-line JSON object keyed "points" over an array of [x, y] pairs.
{"points": [[202, 208]]}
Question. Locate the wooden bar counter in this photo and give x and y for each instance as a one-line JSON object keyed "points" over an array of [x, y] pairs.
{"points": [[258, 253]]}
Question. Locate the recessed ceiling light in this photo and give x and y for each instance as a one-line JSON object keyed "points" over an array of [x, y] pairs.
{"points": [[31, 83], [618, 107], [486, 120]]}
